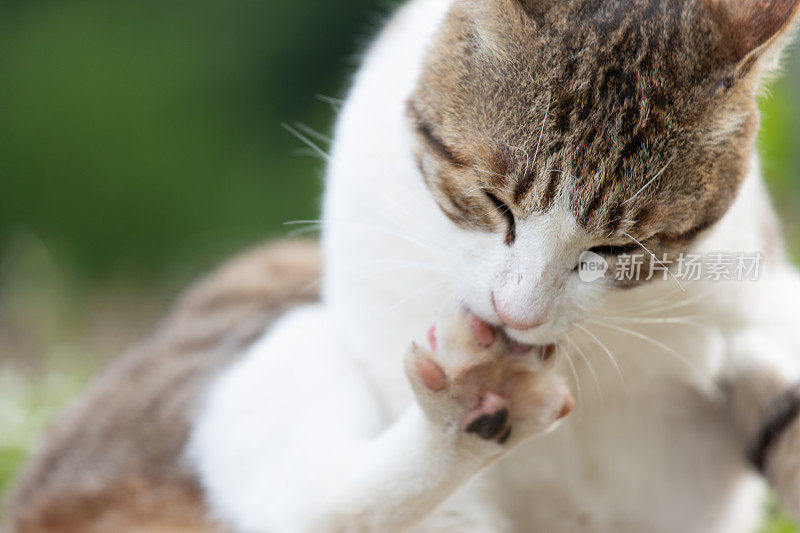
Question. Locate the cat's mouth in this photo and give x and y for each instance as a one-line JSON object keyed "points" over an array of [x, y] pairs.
{"points": [[520, 341], [543, 335], [545, 351]]}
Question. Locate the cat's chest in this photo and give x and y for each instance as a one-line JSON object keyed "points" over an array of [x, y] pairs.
{"points": [[614, 463]]}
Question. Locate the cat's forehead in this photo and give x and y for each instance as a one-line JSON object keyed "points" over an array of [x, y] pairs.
{"points": [[612, 63]]}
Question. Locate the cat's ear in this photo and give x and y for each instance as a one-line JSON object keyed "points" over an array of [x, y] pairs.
{"points": [[754, 26]]}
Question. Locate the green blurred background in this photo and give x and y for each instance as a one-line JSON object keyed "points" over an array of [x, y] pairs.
{"points": [[141, 143]]}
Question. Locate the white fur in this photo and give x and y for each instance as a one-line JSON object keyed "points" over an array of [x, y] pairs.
{"points": [[316, 428]]}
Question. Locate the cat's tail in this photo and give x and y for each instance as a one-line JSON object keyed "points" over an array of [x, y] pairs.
{"points": [[114, 460]]}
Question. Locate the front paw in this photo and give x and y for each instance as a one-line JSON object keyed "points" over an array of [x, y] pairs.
{"points": [[477, 383]]}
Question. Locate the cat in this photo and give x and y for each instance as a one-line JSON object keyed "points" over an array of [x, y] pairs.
{"points": [[488, 151]]}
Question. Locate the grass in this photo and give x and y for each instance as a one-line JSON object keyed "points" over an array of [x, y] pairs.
{"points": [[29, 402], [54, 336]]}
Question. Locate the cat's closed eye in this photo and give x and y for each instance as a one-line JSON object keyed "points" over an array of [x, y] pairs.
{"points": [[613, 249], [505, 212]]}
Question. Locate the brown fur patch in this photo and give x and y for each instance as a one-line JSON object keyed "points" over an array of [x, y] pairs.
{"points": [[125, 506], [116, 455]]}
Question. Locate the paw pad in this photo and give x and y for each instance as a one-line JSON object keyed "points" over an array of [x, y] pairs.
{"points": [[431, 375], [490, 419], [483, 332], [472, 379], [489, 426]]}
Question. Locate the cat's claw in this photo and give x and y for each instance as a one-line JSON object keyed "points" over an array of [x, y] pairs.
{"points": [[473, 381]]}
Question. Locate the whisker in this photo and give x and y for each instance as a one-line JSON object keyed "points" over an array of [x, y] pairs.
{"points": [[568, 174], [301, 222], [476, 189], [652, 306], [541, 131], [659, 344], [390, 200], [389, 213], [682, 303], [539, 144], [588, 365], [575, 375], [302, 231], [414, 295], [527, 157], [307, 152], [311, 226], [432, 247], [656, 259], [495, 209], [366, 272], [476, 169], [654, 178], [335, 103], [317, 281], [305, 140], [658, 321], [608, 352], [311, 132], [397, 264]]}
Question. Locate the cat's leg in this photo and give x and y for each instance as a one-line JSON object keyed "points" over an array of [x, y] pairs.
{"points": [[476, 399], [292, 437], [763, 393], [473, 509]]}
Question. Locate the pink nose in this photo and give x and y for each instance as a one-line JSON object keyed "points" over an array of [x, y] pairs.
{"points": [[521, 323]]}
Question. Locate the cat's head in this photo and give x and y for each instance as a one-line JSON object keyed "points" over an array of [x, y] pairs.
{"points": [[547, 128]]}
